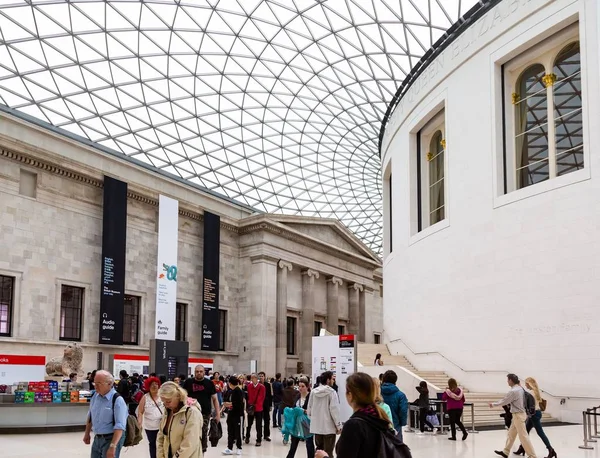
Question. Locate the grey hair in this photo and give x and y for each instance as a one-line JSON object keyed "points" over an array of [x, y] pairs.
{"points": [[106, 375]]}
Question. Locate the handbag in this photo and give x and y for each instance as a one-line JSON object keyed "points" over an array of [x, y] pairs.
{"points": [[543, 405]]}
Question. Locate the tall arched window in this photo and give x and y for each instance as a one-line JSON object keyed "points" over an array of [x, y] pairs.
{"points": [[531, 122], [568, 110], [436, 178]]}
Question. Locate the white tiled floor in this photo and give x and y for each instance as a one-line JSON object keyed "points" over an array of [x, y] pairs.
{"points": [[565, 440]]}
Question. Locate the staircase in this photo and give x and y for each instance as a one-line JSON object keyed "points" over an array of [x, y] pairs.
{"points": [[484, 416]]}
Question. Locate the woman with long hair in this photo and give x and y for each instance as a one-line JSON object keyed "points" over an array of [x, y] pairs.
{"points": [[455, 402], [302, 398], [423, 403], [362, 434], [181, 426], [150, 412], [378, 361], [536, 420], [379, 400]]}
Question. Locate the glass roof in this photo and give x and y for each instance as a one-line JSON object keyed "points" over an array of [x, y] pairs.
{"points": [[274, 103]]}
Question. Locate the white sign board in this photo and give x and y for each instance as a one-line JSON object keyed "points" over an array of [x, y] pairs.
{"points": [[338, 355], [166, 281], [22, 368], [140, 364]]}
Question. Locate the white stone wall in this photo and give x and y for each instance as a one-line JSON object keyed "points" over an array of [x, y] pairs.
{"points": [[508, 282]]}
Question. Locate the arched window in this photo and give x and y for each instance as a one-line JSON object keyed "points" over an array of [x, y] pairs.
{"points": [[436, 178], [568, 110], [531, 127]]}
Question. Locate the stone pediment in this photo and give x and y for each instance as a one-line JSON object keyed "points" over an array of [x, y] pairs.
{"points": [[326, 230]]}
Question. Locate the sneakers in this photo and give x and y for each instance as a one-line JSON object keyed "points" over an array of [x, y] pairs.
{"points": [[238, 452], [227, 452], [501, 453], [268, 439], [258, 444]]}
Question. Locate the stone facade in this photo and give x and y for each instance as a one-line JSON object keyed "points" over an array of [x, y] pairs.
{"points": [[271, 266]]}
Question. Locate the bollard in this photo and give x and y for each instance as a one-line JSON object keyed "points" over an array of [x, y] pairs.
{"points": [[595, 435], [585, 445], [473, 431], [589, 427]]}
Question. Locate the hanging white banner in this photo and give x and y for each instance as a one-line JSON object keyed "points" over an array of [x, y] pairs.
{"points": [[166, 276]]}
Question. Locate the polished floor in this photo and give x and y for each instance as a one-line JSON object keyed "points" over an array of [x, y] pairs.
{"points": [[565, 440]]}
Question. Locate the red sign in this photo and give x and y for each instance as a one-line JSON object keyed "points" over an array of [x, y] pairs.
{"points": [[23, 360], [200, 360], [347, 337], [131, 357]]}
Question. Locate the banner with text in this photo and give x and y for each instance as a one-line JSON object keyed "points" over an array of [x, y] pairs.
{"points": [[114, 238], [166, 276], [210, 282]]}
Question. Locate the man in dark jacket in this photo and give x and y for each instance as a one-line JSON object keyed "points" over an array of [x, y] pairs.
{"points": [[396, 399], [235, 405], [262, 378], [277, 398]]}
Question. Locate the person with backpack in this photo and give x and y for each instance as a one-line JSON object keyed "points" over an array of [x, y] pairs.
{"points": [[180, 429], [522, 405], [535, 421], [396, 399], [107, 417], [368, 432]]}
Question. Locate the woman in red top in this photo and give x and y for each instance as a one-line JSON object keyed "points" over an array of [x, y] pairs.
{"points": [[455, 401], [219, 386]]}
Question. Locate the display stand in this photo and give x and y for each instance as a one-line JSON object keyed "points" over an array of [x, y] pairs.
{"points": [[338, 355]]}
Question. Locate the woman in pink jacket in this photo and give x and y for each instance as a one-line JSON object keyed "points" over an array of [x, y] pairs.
{"points": [[455, 401]]}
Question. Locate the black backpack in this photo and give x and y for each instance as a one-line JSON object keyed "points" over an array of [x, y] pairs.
{"points": [[391, 446], [528, 403], [133, 432]]}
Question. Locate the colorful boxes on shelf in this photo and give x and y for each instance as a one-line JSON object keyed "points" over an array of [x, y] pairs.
{"points": [[65, 396], [56, 396], [19, 397], [74, 396], [29, 397]]}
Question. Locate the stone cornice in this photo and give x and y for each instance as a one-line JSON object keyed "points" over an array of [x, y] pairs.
{"points": [[264, 258], [97, 183]]}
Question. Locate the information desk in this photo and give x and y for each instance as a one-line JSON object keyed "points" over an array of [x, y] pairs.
{"points": [[42, 417]]}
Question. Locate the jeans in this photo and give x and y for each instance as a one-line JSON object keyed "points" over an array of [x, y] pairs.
{"points": [[325, 442], [234, 432], [399, 434], [101, 444], [536, 422], [152, 434], [205, 425], [266, 423], [310, 447], [277, 410], [517, 427], [454, 416], [259, 423]]}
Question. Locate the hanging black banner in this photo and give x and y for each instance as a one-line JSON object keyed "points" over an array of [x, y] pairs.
{"points": [[114, 235], [210, 282]]}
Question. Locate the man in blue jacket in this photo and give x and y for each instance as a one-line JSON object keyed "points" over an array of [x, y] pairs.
{"points": [[396, 399]]}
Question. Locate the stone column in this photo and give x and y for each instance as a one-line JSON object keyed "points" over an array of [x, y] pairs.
{"points": [[282, 300], [308, 317], [363, 327], [333, 305], [261, 322], [354, 291]]}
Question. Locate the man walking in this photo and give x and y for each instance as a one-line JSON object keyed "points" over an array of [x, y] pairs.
{"points": [[397, 401], [324, 412], [277, 398], [108, 423], [515, 398], [256, 400], [203, 390], [235, 404], [266, 415]]}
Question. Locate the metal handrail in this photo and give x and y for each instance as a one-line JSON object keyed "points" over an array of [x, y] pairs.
{"points": [[470, 371]]}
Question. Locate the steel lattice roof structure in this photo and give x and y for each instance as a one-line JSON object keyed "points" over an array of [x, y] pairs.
{"points": [[276, 104]]}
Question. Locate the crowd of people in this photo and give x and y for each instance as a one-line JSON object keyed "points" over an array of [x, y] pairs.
{"points": [[176, 415]]}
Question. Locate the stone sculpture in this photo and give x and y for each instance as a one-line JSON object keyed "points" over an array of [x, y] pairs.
{"points": [[71, 362]]}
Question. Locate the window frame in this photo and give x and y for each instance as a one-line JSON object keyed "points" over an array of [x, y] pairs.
{"points": [[11, 306], [317, 324], [436, 122], [544, 53], [341, 327], [222, 330], [184, 306], [294, 336], [137, 319], [376, 338], [81, 312]]}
